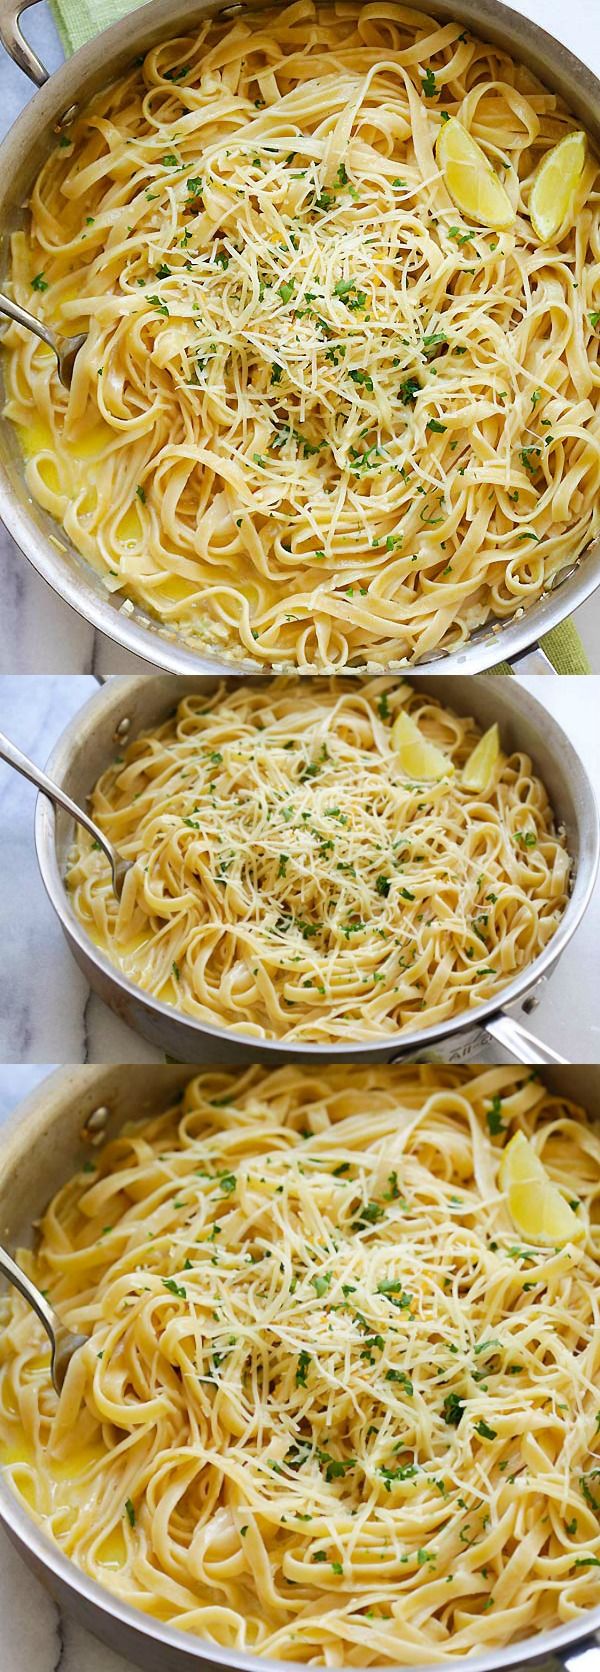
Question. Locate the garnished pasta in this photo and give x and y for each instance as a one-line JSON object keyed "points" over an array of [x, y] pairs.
{"points": [[292, 878], [331, 1409], [321, 420]]}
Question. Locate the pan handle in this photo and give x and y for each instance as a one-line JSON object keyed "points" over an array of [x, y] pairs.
{"points": [[533, 660], [523, 1046], [14, 43]]}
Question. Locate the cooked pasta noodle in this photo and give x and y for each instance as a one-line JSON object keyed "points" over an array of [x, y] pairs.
{"points": [[330, 1411], [320, 419], [292, 879]]}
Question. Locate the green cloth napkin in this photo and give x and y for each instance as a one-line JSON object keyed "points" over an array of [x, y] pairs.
{"points": [[77, 21]]}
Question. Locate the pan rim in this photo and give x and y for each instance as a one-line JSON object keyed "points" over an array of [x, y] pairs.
{"points": [[417, 1039], [74, 578], [62, 1086]]}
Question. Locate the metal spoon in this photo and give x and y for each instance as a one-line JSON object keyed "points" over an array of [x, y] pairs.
{"points": [[14, 757], [66, 349], [62, 1340]]}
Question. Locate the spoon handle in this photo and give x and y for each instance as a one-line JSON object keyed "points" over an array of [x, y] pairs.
{"points": [[28, 769], [22, 317], [30, 1293]]}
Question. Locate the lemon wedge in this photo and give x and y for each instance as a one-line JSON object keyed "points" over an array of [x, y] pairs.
{"points": [[552, 203], [477, 771], [418, 758], [470, 179], [535, 1204]]}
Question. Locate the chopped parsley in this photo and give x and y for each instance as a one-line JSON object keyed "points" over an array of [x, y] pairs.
{"points": [[494, 1117], [393, 1286], [405, 1471], [369, 1214], [589, 1492], [363, 378], [401, 1377], [430, 343], [453, 1409], [409, 390], [302, 1369], [335, 1467]]}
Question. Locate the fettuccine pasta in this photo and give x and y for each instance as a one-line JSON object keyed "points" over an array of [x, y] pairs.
{"points": [[321, 419], [332, 1409], [292, 878]]}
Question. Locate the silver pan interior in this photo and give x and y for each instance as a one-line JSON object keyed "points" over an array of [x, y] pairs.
{"points": [[41, 1145], [89, 744], [21, 156]]}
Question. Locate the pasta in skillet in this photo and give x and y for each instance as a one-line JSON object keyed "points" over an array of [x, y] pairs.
{"points": [[331, 1411], [304, 869], [321, 419]]}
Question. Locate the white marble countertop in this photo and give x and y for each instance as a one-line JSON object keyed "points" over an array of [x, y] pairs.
{"points": [[41, 634], [36, 1635], [46, 1007]]}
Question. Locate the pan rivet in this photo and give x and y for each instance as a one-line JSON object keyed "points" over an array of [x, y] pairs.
{"points": [[123, 727], [98, 1118], [530, 1004], [68, 116]]}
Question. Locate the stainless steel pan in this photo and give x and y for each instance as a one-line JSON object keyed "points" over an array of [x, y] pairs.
{"points": [[127, 706], [21, 156], [41, 1146]]}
